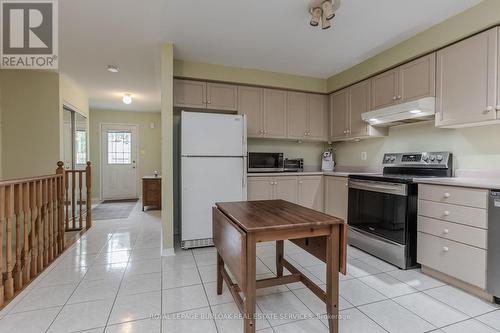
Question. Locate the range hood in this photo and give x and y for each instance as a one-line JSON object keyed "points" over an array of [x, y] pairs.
{"points": [[404, 113]]}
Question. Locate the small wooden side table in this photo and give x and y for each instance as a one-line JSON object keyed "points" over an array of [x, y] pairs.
{"points": [[151, 192]]}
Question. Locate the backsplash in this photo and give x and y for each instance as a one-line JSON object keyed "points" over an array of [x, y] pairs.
{"points": [[309, 151], [472, 148]]}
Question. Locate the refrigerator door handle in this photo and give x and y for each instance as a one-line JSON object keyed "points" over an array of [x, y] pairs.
{"points": [[244, 173]]}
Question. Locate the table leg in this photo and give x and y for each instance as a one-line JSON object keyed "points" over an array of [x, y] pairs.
{"points": [[332, 278], [220, 280], [250, 293], [279, 256]]}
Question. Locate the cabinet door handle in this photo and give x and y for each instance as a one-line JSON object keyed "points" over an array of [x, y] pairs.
{"points": [[446, 231], [446, 213], [399, 96], [394, 98], [489, 109], [498, 107], [265, 132], [447, 195], [300, 181], [445, 249]]}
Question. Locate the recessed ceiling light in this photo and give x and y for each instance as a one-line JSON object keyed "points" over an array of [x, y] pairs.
{"points": [[127, 99], [113, 69], [416, 111]]}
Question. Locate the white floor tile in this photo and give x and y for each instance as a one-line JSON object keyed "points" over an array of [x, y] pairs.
{"points": [[284, 308], [95, 290], [229, 319], [105, 271], [139, 326], [354, 321], [179, 261], [69, 276], [82, 316], [137, 284], [29, 322], [461, 300], [316, 305], [47, 297], [134, 307], [213, 298], [143, 267], [303, 326], [183, 299], [430, 309], [394, 318], [180, 278], [145, 254], [357, 293], [491, 319], [387, 285], [195, 321], [358, 268], [112, 257], [416, 279], [469, 326], [208, 273]]}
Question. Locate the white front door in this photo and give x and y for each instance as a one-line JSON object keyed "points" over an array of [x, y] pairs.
{"points": [[119, 161]]}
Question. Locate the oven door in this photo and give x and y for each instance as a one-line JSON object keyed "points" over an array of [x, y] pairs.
{"points": [[379, 208]]}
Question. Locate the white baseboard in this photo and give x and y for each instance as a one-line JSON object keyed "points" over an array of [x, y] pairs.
{"points": [[167, 252]]}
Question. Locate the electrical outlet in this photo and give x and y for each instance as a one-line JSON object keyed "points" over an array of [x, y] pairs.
{"points": [[364, 156]]}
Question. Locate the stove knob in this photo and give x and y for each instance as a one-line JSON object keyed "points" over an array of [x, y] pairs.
{"points": [[432, 158], [439, 158], [387, 159], [426, 158], [393, 158]]}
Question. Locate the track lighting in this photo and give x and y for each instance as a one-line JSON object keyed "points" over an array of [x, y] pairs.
{"points": [[316, 16], [324, 11]]}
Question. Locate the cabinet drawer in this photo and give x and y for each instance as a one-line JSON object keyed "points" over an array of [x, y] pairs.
{"points": [[152, 185], [453, 231], [475, 217], [454, 195], [461, 261]]}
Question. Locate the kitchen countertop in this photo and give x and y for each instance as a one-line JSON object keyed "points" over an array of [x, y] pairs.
{"points": [[489, 179], [310, 173]]}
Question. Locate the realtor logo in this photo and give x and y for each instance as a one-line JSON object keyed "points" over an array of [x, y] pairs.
{"points": [[29, 34]]}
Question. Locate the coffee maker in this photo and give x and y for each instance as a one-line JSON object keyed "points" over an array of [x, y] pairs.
{"points": [[327, 163]]}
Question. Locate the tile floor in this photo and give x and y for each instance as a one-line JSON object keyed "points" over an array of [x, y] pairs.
{"points": [[114, 280]]}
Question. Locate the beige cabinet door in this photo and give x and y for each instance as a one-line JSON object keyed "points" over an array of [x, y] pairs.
{"points": [[222, 96], [466, 76], [359, 102], [274, 113], [285, 188], [260, 188], [336, 196], [190, 94], [296, 115], [317, 117], [311, 192], [384, 89], [339, 110], [250, 102], [417, 79]]}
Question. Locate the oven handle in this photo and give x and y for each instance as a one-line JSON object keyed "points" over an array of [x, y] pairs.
{"points": [[382, 187]]}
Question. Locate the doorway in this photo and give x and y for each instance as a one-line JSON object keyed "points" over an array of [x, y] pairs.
{"points": [[74, 139], [118, 162]]}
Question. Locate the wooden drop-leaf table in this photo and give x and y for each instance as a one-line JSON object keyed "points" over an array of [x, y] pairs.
{"points": [[239, 226]]}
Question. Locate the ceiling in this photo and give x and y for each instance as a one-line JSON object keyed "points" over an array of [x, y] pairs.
{"points": [[269, 35]]}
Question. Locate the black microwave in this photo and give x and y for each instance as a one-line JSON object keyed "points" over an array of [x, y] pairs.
{"points": [[265, 162]]}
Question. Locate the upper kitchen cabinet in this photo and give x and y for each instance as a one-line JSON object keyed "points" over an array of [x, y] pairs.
{"points": [[297, 115], [405, 83], [346, 107], [203, 95], [467, 75], [222, 96], [190, 94], [307, 116], [250, 103], [317, 117], [274, 114], [385, 89]]}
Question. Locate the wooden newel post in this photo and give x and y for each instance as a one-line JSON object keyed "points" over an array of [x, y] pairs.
{"points": [[88, 180], [60, 206]]}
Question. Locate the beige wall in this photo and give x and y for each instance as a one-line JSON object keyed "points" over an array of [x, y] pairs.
{"points": [[149, 154], [310, 151], [167, 146], [204, 71], [473, 148], [30, 123], [479, 17]]}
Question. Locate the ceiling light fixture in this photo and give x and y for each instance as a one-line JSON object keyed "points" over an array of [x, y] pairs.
{"points": [[113, 69], [323, 10], [127, 99]]}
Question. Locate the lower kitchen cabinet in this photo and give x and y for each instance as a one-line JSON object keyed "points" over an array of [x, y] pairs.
{"points": [[304, 190], [336, 196], [310, 193]]}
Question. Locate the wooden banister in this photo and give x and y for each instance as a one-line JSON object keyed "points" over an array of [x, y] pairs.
{"points": [[34, 215]]}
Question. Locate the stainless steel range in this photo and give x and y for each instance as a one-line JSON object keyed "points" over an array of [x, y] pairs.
{"points": [[382, 214]]}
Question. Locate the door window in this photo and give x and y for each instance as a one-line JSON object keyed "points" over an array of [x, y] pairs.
{"points": [[119, 148]]}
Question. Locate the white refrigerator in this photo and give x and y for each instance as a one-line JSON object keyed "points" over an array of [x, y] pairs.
{"points": [[213, 169]]}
